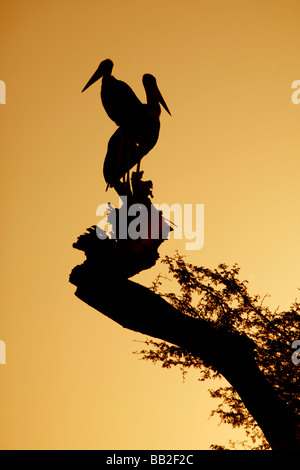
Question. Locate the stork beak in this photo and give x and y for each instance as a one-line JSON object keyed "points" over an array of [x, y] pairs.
{"points": [[97, 75], [162, 102]]}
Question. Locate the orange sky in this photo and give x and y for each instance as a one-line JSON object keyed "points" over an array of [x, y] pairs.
{"points": [[225, 70]]}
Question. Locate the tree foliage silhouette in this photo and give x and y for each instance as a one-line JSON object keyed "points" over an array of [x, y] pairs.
{"points": [[213, 324], [222, 300]]}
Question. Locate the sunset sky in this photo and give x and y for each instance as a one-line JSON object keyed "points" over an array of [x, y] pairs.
{"points": [[225, 70]]}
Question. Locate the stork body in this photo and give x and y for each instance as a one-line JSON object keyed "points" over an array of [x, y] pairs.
{"points": [[139, 124], [123, 153], [119, 101], [146, 121], [128, 146]]}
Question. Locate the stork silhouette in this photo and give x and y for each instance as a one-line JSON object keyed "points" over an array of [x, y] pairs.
{"points": [[137, 133], [139, 124], [119, 101], [129, 144]]}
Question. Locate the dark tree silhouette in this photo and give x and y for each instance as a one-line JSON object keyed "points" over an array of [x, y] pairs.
{"points": [[221, 299], [213, 324], [224, 331]]}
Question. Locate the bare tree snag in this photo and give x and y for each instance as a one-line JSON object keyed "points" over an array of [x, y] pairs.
{"points": [[137, 308]]}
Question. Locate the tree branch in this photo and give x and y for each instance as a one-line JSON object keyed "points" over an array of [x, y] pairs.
{"points": [[135, 307]]}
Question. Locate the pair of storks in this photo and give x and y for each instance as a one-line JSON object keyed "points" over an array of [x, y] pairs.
{"points": [[138, 123]]}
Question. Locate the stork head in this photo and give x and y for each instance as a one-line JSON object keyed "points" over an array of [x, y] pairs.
{"points": [[104, 70], [151, 88]]}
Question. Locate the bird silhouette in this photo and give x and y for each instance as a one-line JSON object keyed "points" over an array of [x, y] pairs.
{"points": [[129, 144], [147, 125], [118, 99], [139, 124]]}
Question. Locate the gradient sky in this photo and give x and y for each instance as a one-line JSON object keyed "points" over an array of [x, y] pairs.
{"points": [[225, 70]]}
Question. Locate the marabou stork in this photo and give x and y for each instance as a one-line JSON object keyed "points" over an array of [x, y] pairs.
{"points": [[129, 145], [119, 101], [138, 123]]}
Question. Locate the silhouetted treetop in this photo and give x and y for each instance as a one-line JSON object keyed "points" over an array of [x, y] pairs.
{"points": [[220, 298]]}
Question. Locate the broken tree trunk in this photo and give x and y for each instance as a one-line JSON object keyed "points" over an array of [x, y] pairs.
{"points": [[105, 288]]}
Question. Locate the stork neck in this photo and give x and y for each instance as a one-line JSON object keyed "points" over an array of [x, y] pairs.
{"points": [[108, 80], [152, 101]]}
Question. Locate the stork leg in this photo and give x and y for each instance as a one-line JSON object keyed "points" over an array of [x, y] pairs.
{"points": [[128, 149]]}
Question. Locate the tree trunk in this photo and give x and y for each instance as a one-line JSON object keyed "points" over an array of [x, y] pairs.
{"points": [[135, 307]]}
